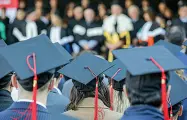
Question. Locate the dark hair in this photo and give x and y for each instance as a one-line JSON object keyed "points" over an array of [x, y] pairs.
{"points": [[77, 96], [144, 89], [175, 108], [151, 14], [176, 35], [4, 82], [43, 78]]}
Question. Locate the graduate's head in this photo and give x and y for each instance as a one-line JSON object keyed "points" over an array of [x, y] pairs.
{"points": [[176, 35], [89, 15], [116, 8], [144, 89], [87, 79], [134, 12], [147, 70], [78, 12], [182, 9]]}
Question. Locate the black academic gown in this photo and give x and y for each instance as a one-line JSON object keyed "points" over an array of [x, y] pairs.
{"points": [[142, 112], [178, 22], [89, 31], [41, 27], [5, 100], [21, 26], [137, 25]]}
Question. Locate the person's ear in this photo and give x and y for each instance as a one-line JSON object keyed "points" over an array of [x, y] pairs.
{"points": [[180, 111], [51, 85], [14, 81]]}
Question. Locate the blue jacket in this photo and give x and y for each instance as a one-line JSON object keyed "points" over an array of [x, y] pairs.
{"points": [[142, 112], [5, 100], [15, 110], [56, 103]]}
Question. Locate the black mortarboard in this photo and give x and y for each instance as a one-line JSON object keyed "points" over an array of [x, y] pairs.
{"points": [[78, 71], [178, 86], [63, 51], [5, 67], [48, 57], [182, 3], [2, 43], [117, 65], [137, 60], [174, 49]]}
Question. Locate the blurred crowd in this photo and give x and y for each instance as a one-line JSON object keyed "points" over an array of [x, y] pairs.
{"points": [[94, 27]]}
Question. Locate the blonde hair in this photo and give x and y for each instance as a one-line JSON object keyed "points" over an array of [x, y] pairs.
{"points": [[121, 102]]}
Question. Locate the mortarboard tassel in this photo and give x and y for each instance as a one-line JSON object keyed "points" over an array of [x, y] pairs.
{"points": [[171, 109], [163, 88], [112, 90], [96, 94], [34, 70]]}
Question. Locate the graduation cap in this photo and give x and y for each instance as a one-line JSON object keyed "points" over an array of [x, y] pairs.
{"points": [[85, 71], [63, 51], [2, 43], [177, 95], [117, 75], [150, 60], [174, 49], [4, 71], [31, 58]]}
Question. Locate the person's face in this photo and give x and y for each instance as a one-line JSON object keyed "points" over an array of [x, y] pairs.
{"points": [[70, 13], [39, 4], [128, 3], [20, 15], [78, 13], [134, 14], [162, 7], [183, 12], [85, 3], [55, 20], [102, 10], [89, 15], [22, 5], [53, 3], [116, 10], [168, 13], [147, 17], [145, 3]]}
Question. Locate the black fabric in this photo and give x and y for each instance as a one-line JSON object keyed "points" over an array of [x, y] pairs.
{"points": [[178, 22], [118, 86], [144, 88], [137, 25], [5, 100], [90, 86], [5, 81], [42, 80]]}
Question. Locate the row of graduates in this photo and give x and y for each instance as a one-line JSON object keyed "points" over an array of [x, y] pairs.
{"points": [[141, 87]]}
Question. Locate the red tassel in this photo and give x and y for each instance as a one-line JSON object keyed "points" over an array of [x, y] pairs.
{"points": [[34, 106], [163, 88]]}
